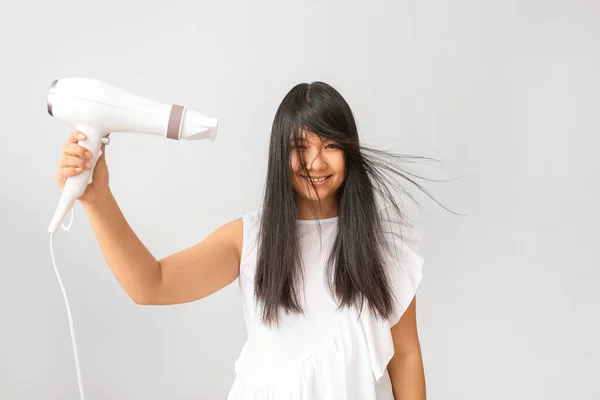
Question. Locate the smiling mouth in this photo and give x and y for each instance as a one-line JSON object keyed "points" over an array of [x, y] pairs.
{"points": [[317, 180]]}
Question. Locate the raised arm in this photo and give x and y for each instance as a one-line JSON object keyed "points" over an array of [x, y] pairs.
{"points": [[185, 276]]}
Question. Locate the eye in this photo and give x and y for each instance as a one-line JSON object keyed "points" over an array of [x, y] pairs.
{"points": [[333, 146]]}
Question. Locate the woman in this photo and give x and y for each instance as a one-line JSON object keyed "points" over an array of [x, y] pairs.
{"points": [[328, 278]]}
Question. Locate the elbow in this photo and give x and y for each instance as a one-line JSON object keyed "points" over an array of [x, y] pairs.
{"points": [[144, 299]]}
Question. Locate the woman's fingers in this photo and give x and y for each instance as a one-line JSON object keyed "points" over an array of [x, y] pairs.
{"points": [[72, 161], [73, 149], [76, 136]]}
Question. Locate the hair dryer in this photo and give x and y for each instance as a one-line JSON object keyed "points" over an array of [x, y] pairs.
{"points": [[97, 109]]}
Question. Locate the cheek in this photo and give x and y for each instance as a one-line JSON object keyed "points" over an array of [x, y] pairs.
{"points": [[339, 164], [294, 163]]}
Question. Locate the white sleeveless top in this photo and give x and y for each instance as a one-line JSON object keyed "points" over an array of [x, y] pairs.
{"points": [[325, 353]]}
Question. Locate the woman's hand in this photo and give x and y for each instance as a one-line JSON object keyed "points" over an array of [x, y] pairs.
{"points": [[75, 158]]}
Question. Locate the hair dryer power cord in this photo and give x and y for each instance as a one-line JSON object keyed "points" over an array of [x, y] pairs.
{"points": [[68, 307]]}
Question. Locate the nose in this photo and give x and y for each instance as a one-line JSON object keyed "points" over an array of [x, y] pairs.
{"points": [[316, 161]]}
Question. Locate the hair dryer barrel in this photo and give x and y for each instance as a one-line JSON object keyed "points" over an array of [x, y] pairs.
{"points": [[97, 108], [90, 102]]}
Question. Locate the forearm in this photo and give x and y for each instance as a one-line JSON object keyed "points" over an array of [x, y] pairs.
{"points": [[407, 376], [132, 264]]}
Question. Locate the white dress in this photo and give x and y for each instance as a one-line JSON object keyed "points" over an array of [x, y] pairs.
{"points": [[326, 353]]}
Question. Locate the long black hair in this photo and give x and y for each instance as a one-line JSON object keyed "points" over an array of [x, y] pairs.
{"points": [[356, 267]]}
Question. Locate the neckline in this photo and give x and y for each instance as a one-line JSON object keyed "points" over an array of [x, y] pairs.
{"points": [[314, 221]]}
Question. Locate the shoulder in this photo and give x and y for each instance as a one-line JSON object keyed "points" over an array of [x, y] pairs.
{"points": [[228, 236], [241, 230], [235, 231]]}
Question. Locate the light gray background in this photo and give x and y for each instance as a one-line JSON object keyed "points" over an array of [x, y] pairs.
{"points": [[504, 93]]}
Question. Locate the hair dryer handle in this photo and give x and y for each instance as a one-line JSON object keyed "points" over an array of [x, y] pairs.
{"points": [[75, 185]]}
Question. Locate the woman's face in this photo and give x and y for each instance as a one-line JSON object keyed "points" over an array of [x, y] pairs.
{"points": [[323, 159]]}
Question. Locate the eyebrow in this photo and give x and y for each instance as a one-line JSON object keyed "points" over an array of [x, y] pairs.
{"points": [[297, 140]]}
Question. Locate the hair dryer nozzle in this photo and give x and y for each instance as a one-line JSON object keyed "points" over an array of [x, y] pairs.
{"points": [[197, 126]]}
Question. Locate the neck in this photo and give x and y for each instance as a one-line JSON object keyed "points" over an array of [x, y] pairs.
{"points": [[328, 209]]}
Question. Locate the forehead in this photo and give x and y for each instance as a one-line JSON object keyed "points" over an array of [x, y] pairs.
{"points": [[304, 136]]}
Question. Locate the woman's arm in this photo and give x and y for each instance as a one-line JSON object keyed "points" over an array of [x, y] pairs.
{"points": [[406, 366], [202, 269], [188, 275]]}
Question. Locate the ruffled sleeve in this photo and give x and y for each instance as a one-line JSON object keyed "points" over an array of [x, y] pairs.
{"points": [[405, 269], [404, 266]]}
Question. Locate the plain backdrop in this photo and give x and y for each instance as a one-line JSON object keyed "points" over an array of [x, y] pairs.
{"points": [[503, 93]]}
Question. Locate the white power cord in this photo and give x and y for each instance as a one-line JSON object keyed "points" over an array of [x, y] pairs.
{"points": [[68, 307]]}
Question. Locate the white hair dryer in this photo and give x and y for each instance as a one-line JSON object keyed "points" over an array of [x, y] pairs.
{"points": [[97, 109]]}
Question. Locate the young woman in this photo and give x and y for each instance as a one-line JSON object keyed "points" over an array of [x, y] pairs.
{"points": [[328, 276]]}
